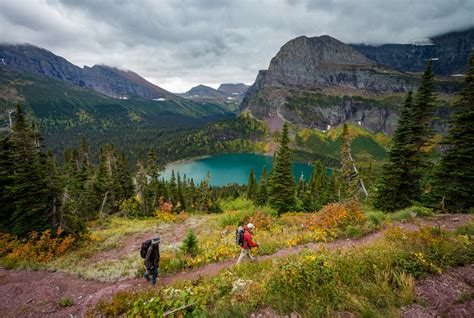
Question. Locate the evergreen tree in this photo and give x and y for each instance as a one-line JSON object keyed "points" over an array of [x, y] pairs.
{"points": [[262, 194], [28, 189], [400, 184], [192, 193], [452, 184], [317, 192], [172, 188], [181, 202], [106, 180], [6, 182], [190, 244], [300, 187], [204, 200], [55, 186], [152, 189], [123, 178], [251, 186], [141, 187], [281, 181], [395, 189], [85, 152]]}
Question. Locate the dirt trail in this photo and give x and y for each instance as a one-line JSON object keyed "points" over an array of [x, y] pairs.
{"points": [[171, 234], [26, 293], [448, 295]]}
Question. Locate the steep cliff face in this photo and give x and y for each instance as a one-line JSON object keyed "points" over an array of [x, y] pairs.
{"points": [[450, 53], [321, 82], [106, 80]]}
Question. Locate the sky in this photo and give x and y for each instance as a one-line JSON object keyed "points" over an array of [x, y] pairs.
{"points": [[180, 44]]}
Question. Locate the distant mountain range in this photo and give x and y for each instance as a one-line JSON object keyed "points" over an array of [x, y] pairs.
{"points": [[229, 94], [321, 82]]}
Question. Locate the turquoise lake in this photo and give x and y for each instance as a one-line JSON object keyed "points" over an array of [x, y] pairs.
{"points": [[229, 168]]}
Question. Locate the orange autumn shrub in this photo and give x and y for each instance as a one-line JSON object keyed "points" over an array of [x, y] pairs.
{"points": [[298, 219], [39, 247], [164, 205], [260, 220], [338, 215]]}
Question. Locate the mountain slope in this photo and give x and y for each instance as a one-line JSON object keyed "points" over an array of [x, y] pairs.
{"points": [[321, 82], [65, 112], [103, 79]]}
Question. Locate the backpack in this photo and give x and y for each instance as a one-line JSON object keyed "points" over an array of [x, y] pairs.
{"points": [[145, 245], [239, 236]]}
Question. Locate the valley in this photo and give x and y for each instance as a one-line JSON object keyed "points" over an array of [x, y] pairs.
{"points": [[343, 172]]}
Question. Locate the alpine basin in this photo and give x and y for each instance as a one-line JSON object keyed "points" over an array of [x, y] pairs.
{"points": [[229, 168]]}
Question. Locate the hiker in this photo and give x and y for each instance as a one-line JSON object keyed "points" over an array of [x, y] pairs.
{"points": [[247, 243], [152, 258]]}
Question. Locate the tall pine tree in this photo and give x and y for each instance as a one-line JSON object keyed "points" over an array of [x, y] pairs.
{"points": [[400, 184], [452, 184], [251, 186], [281, 182], [262, 191], [28, 190]]}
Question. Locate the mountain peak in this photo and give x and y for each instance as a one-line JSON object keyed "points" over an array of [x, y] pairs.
{"points": [[318, 51]]}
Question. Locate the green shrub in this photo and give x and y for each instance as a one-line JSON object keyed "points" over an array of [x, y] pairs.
{"points": [[467, 229], [411, 212], [376, 217], [239, 204], [234, 218], [190, 244], [66, 302]]}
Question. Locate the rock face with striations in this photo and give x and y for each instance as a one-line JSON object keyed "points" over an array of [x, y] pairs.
{"points": [[307, 70], [320, 82], [450, 53], [104, 79]]}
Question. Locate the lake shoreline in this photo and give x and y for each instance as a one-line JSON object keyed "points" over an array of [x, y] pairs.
{"points": [[229, 168]]}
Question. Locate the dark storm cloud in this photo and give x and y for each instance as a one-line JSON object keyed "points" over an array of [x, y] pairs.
{"points": [[178, 44]]}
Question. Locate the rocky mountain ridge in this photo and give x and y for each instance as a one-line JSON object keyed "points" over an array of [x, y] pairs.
{"points": [[107, 80], [229, 94], [321, 82], [449, 51]]}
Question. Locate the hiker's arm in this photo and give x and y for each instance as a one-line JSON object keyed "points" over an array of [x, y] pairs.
{"points": [[157, 258], [250, 241], [148, 263]]}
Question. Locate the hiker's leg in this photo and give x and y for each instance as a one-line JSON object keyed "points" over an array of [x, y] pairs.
{"points": [[155, 275], [243, 252], [145, 275], [252, 259]]}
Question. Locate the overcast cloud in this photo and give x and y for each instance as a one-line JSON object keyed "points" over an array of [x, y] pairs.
{"points": [[179, 44]]}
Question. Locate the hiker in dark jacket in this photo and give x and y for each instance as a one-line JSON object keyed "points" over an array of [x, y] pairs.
{"points": [[152, 259]]}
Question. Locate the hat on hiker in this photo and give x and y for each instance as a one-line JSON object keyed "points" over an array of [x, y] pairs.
{"points": [[155, 240], [250, 226]]}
